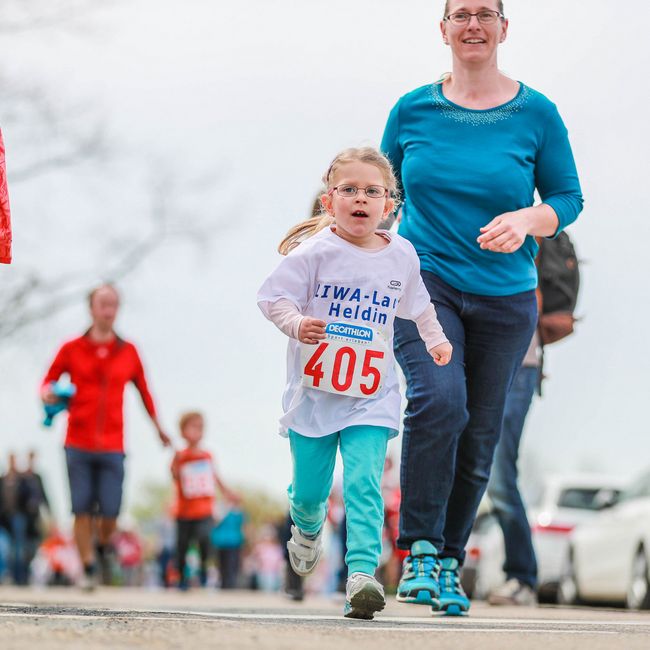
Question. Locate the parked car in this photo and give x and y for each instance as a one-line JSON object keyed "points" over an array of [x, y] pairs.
{"points": [[563, 503], [608, 559], [484, 555], [566, 502]]}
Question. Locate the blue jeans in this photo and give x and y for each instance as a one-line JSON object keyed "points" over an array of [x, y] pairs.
{"points": [[454, 413], [520, 559], [23, 548]]}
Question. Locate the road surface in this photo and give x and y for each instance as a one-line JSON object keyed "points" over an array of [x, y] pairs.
{"points": [[66, 619]]}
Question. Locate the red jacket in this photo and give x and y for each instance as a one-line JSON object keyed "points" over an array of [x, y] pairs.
{"points": [[100, 373], [5, 217]]}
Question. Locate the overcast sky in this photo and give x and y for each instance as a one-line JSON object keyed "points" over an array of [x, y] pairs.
{"points": [[259, 95]]}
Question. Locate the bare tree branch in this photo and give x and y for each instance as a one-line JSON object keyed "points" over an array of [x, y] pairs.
{"points": [[81, 148], [51, 137], [33, 299], [54, 137], [20, 16]]}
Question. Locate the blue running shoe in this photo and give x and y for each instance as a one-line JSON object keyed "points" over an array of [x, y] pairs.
{"points": [[453, 600], [420, 571]]}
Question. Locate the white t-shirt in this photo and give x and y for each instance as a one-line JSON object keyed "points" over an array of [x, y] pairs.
{"points": [[328, 278]]}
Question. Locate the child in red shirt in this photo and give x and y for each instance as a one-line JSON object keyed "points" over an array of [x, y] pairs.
{"points": [[196, 480]]}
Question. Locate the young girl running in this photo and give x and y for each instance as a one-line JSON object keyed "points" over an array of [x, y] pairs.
{"points": [[336, 295]]}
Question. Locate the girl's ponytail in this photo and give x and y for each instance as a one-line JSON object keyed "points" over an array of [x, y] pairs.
{"points": [[303, 231]]}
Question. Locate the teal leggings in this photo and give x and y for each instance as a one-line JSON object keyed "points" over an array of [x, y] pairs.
{"points": [[363, 449]]}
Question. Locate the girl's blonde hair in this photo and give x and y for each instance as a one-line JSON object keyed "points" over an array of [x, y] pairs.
{"points": [[320, 219]]}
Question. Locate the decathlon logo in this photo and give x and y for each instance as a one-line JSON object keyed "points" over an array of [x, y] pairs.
{"points": [[349, 331]]}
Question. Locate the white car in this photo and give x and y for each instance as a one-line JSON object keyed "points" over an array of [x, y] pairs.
{"points": [[608, 559], [566, 502], [484, 555]]}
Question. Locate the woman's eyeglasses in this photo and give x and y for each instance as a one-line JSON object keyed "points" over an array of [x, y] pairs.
{"points": [[485, 17]]}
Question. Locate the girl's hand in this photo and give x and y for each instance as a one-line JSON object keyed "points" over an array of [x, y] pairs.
{"points": [[505, 233], [311, 330], [441, 353]]}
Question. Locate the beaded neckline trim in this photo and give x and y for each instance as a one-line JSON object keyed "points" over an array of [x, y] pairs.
{"points": [[478, 117]]}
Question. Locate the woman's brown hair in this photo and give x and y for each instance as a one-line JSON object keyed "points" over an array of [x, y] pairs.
{"points": [[499, 6]]}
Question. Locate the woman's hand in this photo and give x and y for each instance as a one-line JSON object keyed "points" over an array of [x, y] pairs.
{"points": [[311, 330], [505, 233], [441, 353]]}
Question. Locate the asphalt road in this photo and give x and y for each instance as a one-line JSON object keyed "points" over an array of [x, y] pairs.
{"points": [[56, 619]]}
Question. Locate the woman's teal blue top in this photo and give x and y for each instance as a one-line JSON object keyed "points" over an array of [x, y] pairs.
{"points": [[459, 168]]}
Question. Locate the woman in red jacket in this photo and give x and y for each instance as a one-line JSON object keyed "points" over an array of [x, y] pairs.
{"points": [[99, 364]]}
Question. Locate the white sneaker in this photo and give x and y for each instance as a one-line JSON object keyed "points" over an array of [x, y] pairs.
{"points": [[513, 592], [304, 553], [363, 596]]}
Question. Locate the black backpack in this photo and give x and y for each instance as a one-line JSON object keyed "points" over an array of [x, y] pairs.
{"points": [[559, 283]]}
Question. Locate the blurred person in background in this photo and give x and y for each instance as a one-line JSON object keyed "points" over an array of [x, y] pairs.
{"points": [[5, 215], [267, 559], [196, 481], [557, 295], [5, 549], [469, 151], [35, 504], [520, 564], [228, 540], [99, 364], [128, 553], [165, 539], [57, 561], [339, 539], [391, 556], [22, 498], [16, 520], [4, 533]]}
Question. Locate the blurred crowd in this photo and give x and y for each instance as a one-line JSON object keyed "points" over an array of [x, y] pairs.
{"points": [[242, 554]]}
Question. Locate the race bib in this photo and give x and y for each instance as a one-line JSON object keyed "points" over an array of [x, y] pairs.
{"points": [[351, 360], [197, 479]]}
